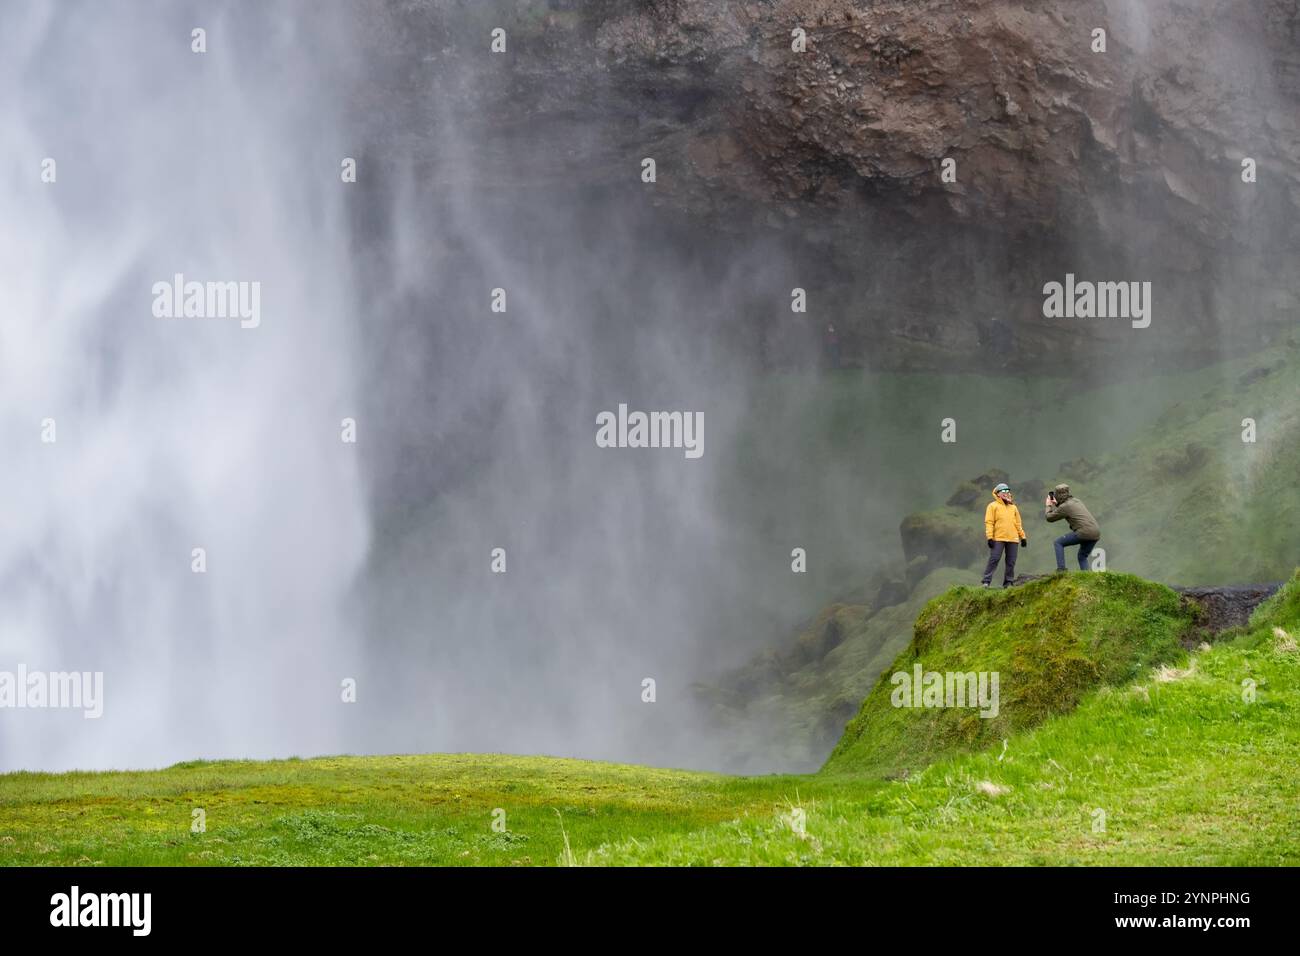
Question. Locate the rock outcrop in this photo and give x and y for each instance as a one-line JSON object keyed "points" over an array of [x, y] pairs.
{"points": [[1117, 165]]}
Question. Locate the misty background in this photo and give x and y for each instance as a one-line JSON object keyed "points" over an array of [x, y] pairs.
{"points": [[475, 430]]}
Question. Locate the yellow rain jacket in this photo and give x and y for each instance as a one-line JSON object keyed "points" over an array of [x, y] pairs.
{"points": [[1002, 521]]}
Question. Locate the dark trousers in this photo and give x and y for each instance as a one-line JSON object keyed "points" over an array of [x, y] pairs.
{"points": [[995, 554], [1069, 541]]}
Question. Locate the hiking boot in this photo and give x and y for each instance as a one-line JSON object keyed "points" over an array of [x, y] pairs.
{"points": [[986, 584], [1060, 570]]}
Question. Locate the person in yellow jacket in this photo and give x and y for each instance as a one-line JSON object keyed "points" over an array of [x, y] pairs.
{"points": [[1005, 534]]}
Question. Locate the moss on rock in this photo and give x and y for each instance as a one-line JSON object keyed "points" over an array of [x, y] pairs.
{"points": [[1050, 642]]}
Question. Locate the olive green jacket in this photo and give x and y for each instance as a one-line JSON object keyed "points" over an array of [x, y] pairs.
{"points": [[1079, 517]]}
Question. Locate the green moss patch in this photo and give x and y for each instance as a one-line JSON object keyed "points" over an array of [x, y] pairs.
{"points": [[1049, 642]]}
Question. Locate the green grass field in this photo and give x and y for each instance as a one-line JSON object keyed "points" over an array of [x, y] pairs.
{"points": [[1172, 764]]}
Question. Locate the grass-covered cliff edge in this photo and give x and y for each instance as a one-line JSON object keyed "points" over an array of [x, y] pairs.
{"points": [[1160, 461], [1049, 642], [1119, 745]]}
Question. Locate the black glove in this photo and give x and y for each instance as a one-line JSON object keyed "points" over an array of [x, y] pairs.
{"points": [[1024, 542], [990, 544]]}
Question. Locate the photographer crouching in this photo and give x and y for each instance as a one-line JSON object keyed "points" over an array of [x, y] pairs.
{"points": [[1084, 530]]}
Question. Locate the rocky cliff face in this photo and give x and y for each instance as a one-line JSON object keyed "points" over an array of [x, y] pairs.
{"points": [[1115, 166]]}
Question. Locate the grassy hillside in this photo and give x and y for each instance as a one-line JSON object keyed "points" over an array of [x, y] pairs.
{"points": [[1160, 461], [1185, 765], [1176, 769], [1050, 642], [1193, 763]]}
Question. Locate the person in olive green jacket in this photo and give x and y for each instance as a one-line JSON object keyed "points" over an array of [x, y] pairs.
{"points": [[1005, 534], [1084, 530]]}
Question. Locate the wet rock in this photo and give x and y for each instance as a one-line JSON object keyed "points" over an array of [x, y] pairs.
{"points": [[1079, 469], [1253, 376], [1191, 457], [894, 592], [966, 496], [1221, 608], [1067, 160], [940, 538]]}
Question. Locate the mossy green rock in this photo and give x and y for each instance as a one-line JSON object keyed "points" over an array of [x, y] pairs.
{"points": [[1050, 642]]}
